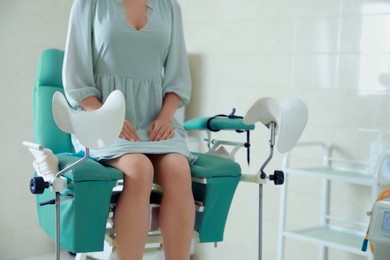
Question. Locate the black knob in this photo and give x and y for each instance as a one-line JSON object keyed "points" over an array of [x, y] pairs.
{"points": [[38, 185], [277, 177]]}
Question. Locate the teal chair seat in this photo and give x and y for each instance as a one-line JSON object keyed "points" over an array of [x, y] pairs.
{"points": [[84, 205], [211, 166]]}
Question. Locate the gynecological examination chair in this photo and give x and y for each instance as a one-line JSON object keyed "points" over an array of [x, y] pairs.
{"points": [[76, 203]]}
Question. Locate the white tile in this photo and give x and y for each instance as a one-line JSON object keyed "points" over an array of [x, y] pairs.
{"points": [[6, 244], [277, 9], [348, 71], [236, 36], [369, 33], [351, 7], [314, 71], [274, 36], [316, 8], [316, 35], [11, 23], [371, 66], [42, 27]]}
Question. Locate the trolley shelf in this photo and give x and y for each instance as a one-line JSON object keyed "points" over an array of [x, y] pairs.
{"points": [[332, 236], [334, 232], [344, 175]]}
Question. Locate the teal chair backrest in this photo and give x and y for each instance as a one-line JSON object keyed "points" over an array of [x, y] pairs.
{"points": [[48, 81]]}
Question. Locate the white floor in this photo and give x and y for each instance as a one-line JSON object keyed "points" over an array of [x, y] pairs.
{"points": [[64, 256], [151, 254]]}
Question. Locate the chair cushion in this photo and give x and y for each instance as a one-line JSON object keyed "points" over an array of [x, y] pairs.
{"points": [[90, 170], [207, 166]]}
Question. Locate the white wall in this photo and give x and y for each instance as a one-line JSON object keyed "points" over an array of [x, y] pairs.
{"points": [[26, 28], [328, 53]]}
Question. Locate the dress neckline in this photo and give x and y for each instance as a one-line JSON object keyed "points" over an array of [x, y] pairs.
{"points": [[119, 6]]}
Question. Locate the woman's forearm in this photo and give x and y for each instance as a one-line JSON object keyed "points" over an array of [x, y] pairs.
{"points": [[170, 105]]}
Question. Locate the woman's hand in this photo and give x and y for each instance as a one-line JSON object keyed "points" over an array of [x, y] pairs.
{"points": [[160, 129], [128, 132]]}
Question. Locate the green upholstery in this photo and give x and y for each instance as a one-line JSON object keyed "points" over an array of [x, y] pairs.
{"points": [[90, 170], [209, 166], [49, 80], [220, 123], [222, 177], [85, 214], [84, 211]]}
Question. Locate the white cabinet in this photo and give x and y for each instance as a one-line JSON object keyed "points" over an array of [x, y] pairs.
{"points": [[332, 231]]}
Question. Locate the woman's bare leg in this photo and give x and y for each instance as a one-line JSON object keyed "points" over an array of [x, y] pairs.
{"points": [[177, 212], [131, 217]]}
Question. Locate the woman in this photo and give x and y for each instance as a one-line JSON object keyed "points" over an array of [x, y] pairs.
{"points": [[137, 46]]}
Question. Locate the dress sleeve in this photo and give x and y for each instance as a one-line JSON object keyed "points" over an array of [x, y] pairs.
{"points": [[77, 72], [177, 77]]}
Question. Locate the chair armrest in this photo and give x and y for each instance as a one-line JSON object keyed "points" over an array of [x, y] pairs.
{"points": [[219, 123]]}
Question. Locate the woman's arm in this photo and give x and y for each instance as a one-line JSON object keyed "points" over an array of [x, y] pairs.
{"points": [[176, 82], [177, 78], [77, 72], [90, 103], [161, 128]]}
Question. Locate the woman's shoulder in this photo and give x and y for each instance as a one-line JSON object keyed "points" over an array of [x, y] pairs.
{"points": [[86, 7], [171, 4], [84, 3]]}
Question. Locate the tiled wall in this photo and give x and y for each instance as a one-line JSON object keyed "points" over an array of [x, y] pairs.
{"points": [[26, 28], [328, 53]]}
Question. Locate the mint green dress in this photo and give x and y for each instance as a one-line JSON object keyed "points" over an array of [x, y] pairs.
{"points": [[104, 53]]}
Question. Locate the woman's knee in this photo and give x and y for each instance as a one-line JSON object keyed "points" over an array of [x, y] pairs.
{"points": [[137, 170], [173, 173]]}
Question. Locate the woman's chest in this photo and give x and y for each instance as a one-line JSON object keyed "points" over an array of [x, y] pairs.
{"points": [[112, 30]]}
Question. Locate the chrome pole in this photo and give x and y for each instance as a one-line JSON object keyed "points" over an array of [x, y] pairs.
{"points": [[263, 176], [260, 220], [57, 202]]}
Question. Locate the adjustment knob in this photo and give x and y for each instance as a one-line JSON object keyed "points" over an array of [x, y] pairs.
{"points": [[38, 185], [277, 177]]}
